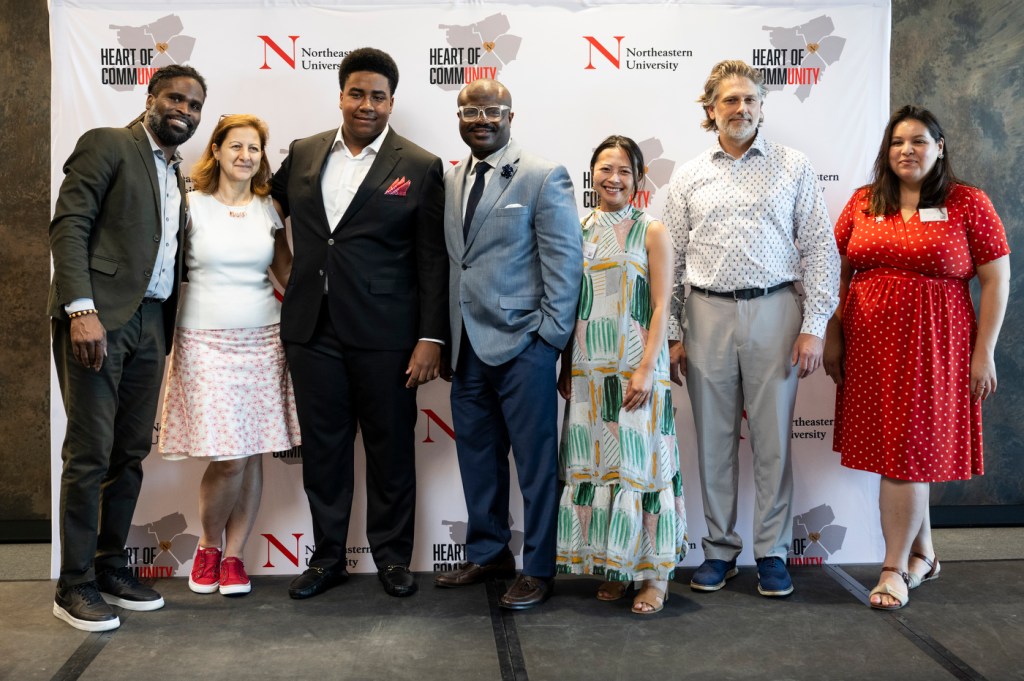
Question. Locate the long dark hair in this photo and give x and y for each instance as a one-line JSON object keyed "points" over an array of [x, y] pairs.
{"points": [[632, 150], [885, 186]]}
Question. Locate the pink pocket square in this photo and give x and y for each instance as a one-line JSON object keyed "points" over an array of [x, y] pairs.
{"points": [[399, 187]]}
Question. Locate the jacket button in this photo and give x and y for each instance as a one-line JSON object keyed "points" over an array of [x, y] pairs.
{"points": [[330, 242], [465, 267], [156, 238], [148, 273]]}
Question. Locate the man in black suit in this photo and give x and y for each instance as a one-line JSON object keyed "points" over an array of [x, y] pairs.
{"points": [[364, 319], [113, 298]]}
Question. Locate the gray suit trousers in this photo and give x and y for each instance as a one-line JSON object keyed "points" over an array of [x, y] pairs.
{"points": [[738, 357]]}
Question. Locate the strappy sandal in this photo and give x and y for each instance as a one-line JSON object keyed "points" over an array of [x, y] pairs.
{"points": [[915, 581], [902, 597], [613, 591], [654, 593]]}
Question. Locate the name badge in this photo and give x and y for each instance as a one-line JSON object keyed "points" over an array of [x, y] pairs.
{"points": [[933, 214], [589, 250]]}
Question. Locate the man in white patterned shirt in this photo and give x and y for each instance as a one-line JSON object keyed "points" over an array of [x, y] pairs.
{"points": [[748, 221]]}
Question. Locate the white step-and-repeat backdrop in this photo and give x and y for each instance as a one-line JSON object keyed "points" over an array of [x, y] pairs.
{"points": [[578, 71]]}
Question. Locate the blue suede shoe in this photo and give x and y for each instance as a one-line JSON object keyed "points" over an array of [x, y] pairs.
{"points": [[712, 574], [773, 578]]}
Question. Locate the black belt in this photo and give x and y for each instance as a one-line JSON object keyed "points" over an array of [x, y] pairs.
{"points": [[743, 293], [149, 301]]}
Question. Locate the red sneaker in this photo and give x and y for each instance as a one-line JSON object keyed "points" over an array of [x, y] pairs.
{"points": [[205, 577], [233, 580]]}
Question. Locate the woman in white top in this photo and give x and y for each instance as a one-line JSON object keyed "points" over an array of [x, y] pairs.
{"points": [[229, 395]]}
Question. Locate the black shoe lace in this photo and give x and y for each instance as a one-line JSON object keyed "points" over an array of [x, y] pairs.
{"points": [[87, 592], [123, 575]]}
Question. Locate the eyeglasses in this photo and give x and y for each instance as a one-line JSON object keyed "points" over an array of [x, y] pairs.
{"points": [[490, 113]]}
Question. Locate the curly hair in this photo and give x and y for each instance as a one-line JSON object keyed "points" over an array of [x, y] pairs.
{"points": [[206, 171], [164, 74], [369, 59]]}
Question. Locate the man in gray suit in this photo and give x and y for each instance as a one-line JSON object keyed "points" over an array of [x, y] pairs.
{"points": [[116, 269], [516, 261]]}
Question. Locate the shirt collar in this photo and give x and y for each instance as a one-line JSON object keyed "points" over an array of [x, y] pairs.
{"points": [[175, 160], [758, 146], [373, 146], [492, 159]]}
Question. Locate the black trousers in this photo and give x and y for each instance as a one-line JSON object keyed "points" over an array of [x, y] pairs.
{"points": [[111, 417], [338, 387]]}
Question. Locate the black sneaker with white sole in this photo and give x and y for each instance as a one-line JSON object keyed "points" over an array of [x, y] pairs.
{"points": [[120, 587], [82, 607]]}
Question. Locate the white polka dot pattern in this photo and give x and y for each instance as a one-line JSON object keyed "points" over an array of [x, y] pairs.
{"points": [[904, 409], [753, 222]]}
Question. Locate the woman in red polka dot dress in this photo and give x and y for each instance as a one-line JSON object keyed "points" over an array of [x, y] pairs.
{"points": [[912, 363]]}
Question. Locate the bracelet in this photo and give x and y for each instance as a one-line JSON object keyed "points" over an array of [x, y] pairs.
{"points": [[82, 313]]}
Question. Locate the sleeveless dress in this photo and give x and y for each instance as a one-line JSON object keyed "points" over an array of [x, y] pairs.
{"points": [[905, 409], [621, 513]]}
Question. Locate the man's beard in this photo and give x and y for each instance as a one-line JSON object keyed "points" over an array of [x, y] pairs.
{"points": [[165, 132]]}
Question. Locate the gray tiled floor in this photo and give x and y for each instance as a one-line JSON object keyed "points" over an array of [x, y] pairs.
{"points": [[968, 625]]}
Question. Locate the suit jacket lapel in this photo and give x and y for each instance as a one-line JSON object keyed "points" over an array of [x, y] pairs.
{"points": [[385, 161], [459, 182], [145, 150], [319, 162], [496, 186]]}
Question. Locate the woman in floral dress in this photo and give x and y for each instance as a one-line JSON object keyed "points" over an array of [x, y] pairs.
{"points": [[621, 513]]}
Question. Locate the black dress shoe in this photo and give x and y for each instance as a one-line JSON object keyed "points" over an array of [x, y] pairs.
{"points": [[314, 581], [397, 580], [527, 592], [474, 573]]}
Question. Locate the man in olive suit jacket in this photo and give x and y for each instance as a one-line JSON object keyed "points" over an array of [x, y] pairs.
{"points": [[116, 269]]}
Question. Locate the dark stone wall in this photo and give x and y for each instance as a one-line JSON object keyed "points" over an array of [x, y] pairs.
{"points": [[25, 268], [963, 60]]}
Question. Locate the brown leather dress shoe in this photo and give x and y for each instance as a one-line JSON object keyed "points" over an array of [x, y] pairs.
{"points": [[527, 592], [474, 573]]}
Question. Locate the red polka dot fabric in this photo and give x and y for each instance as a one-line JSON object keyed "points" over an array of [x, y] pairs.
{"points": [[904, 409]]}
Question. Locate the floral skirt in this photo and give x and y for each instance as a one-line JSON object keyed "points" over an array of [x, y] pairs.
{"points": [[228, 395]]}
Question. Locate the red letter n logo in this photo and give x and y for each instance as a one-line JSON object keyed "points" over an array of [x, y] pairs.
{"points": [[293, 558], [267, 42], [432, 416], [600, 48]]}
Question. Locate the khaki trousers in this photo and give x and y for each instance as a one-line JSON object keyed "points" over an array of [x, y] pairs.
{"points": [[738, 358]]}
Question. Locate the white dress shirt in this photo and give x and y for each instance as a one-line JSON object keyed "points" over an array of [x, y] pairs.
{"points": [[343, 174], [753, 222]]}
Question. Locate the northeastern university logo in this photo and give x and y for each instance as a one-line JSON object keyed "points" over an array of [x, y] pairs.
{"points": [[608, 52], [141, 50]]}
